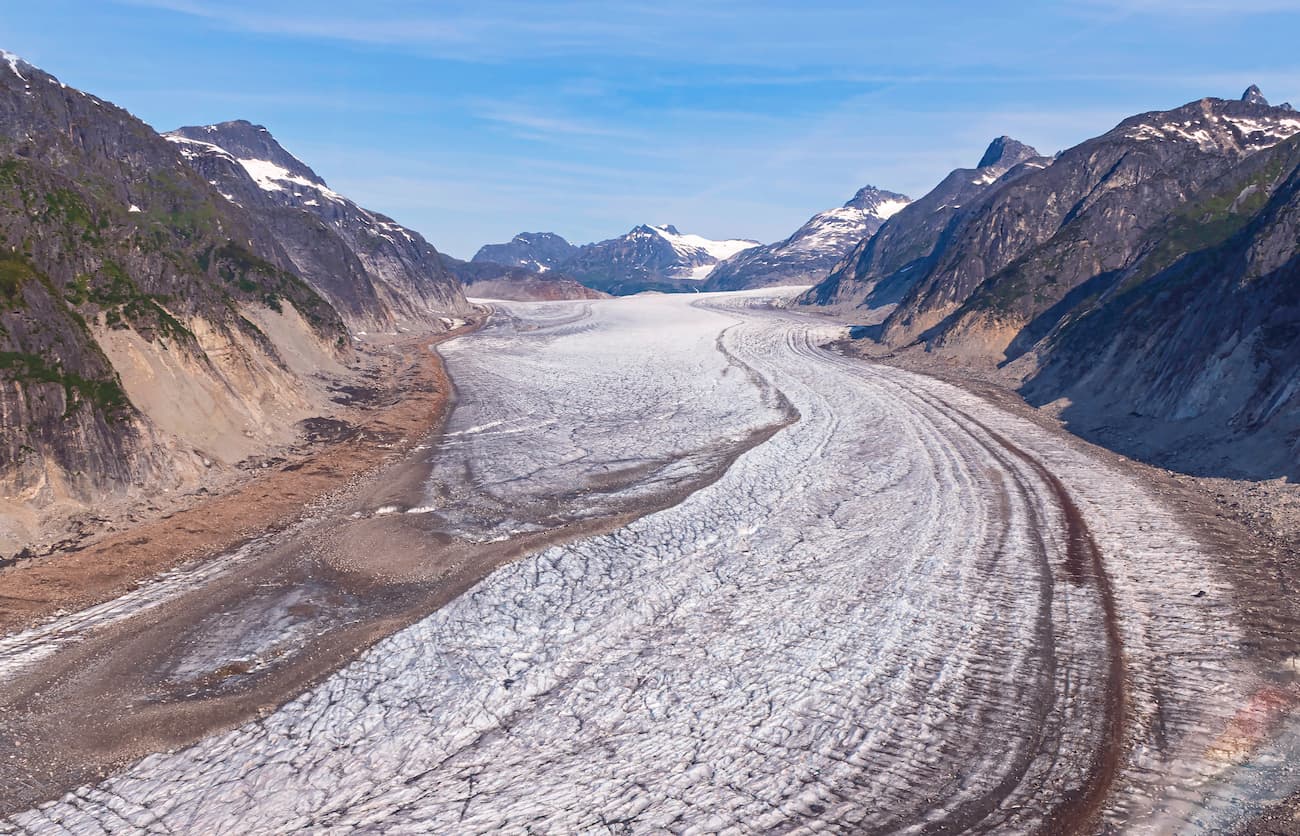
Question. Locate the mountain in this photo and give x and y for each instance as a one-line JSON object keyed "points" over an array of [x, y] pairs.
{"points": [[537, 251], [1144, 284], [1037, 243], [651, 258], [378, 274], [881, 268], [489, 280], [814, 249], [150, 326]]}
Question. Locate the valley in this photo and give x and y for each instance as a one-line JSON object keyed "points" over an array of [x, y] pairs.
{"points": [[737, 579], [968, 512]]}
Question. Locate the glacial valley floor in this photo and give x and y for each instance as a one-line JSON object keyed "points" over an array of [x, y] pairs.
{"points": [[674, 564]]}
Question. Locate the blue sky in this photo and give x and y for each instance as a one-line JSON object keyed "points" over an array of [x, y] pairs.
{"points": [[471, 121]]}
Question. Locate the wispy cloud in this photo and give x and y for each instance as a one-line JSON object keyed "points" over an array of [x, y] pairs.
{"points": [[532, 123]]}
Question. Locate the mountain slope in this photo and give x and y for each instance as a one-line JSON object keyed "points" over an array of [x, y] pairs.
{"points": [[537, 251], [379, 274], [884, 266], [488, 280], [1192, 356], [115, 249], [152, 329], [810, 253], [1007, 271]]}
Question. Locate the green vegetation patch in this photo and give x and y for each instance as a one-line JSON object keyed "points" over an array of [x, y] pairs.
{"points": [[124, 303], [105, 395], [15, 271]]}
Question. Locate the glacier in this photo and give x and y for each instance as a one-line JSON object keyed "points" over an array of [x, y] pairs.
{"points": [[907, 610]]}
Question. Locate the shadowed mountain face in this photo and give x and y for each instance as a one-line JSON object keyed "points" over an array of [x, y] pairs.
{"points": [[1145, 276], [1191, 356], [378, 273], [809, 254]]}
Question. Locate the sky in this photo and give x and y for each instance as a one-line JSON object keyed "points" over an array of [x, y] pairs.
{"points": [[473, 121]]}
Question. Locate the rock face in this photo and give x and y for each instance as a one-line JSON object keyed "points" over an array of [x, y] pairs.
{"points": [[489, 280], [377, 273], [537, 251], [807, 256], [995, 273], [152, 326], [1191, 356]]}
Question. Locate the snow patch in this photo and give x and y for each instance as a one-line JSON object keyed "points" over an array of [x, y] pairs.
{"points": [[13, 61], [274, 178], [886, 209], [689, 246]]}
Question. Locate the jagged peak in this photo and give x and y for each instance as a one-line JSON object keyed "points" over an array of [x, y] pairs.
{"points": [[1254, 96], [247, 141], [532, 237], [1007, 152]]}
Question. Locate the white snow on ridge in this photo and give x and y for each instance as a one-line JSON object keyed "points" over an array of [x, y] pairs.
{"points": [[886, 209], [191, 148], [691, 245], [273, 178], [1209, 133], [13, 61]]}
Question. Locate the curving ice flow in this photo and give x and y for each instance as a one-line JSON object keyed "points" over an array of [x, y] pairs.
{"points": [[572, 411], [890, 616]]}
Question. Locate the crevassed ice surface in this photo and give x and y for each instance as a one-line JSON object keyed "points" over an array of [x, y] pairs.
{"points": [[567, 411], [868, 623]]}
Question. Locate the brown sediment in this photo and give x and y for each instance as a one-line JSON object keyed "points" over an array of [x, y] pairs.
{"points": [[168, 676], [1081, 809]]}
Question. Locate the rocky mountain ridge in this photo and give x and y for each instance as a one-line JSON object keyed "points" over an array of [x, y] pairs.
{"points": [[489, 280], [537, 251], [882, 266], [1141, 283], [645, 258], [809, 254], [377, 273]]}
